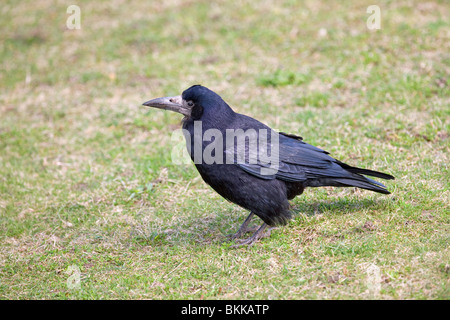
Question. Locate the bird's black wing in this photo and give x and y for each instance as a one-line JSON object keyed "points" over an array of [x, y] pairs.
{"points": [[291, 160], [302, 162]]}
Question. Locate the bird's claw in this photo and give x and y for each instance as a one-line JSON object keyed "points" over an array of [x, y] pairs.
{"points": [[259, 234], [240, 233]]}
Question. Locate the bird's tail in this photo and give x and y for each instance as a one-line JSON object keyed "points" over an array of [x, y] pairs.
{"points": [[353, 177], [364, 183], [366, 172], [357, 179]]}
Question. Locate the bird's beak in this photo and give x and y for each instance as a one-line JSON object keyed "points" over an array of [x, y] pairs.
{"points": [[169, 103]]}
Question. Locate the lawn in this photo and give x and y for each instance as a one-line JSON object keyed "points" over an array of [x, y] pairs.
{"points": [[89, 189]]}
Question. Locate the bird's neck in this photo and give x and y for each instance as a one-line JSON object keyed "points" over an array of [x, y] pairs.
{"points": [[211, 119]]}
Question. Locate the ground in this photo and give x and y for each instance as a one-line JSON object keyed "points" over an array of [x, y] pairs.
{"points": [[89, 189]]}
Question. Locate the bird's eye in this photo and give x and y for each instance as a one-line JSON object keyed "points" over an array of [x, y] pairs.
{"points": [[190, 104]]}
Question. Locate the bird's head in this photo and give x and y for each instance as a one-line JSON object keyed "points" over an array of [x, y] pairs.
{"points": [[193, 103]]}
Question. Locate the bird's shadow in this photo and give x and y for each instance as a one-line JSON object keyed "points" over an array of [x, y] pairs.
{"points": [[215, 229], [342, 206]]}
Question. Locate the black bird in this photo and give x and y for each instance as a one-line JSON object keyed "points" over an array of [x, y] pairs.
{"points": [[245, 177]]}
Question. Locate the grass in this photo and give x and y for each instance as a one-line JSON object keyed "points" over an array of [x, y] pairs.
{"points": [[86, 177]]}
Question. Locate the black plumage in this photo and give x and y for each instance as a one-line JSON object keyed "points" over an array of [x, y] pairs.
{"points": [[255, 185]]}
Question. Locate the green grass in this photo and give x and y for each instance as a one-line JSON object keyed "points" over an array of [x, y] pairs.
{"points": [[86, 176]]}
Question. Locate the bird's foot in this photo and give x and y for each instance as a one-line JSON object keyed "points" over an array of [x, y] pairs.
{"points": [[243, 229], [259, 234], [240, 233]]}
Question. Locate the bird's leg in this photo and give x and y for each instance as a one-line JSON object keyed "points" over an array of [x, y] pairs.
{"points": [[243, 228], [260, 233]]}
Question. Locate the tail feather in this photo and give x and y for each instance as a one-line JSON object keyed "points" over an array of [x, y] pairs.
{"points": [[367, 172], [358, 180], [350, 178], [378, 187]]}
